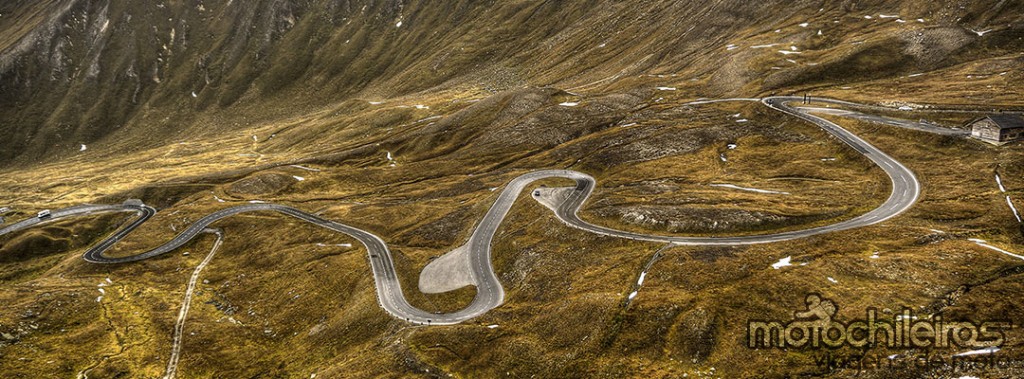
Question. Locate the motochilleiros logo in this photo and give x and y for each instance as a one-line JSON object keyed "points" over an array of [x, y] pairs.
{"points": [[816, 327]]}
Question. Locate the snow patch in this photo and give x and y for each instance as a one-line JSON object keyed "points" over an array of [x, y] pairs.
{"points": [[492, 326], [804, 25], [832, 280], [632, 295], [665, 88], [569, 104], [985, 244], [299, 178], [1014, 209], [782, 263], [758, 190], [305, 168], [398, 24], [83, 147], [987, 350], [999, 181]]}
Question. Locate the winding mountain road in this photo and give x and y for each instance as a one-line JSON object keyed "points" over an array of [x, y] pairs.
{"points": [[490, 294]]}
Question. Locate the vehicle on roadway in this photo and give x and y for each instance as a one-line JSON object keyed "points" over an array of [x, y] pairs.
{"points": [[43, 214]]}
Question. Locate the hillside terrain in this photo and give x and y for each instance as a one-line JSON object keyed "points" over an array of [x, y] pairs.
{"points": [[406, 118]]}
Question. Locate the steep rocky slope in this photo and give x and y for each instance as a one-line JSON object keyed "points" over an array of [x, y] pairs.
{"points": [[74, 72]]}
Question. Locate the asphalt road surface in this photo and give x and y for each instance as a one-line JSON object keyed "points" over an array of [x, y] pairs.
{"points": [[906, 124], [490, 294]]}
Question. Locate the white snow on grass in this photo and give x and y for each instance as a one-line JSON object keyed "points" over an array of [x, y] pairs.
{"points": [[390, 158], [98, 299], [763, 46], [640, 281], [915, 75], [981, 33], [83, 147], [832, 280], [421, 106], [782, 263], [1013, 208], [999, 181], [906, 108], [254, 139], [758, 190], [257, 202], [731, 146], [569, 104], [376, 102], [987, 350], [632, 295], [888, 16], [804, 25], [628, 125], [921, 20], [874, 255], [868, 17], [900, 20], [492, 326], [299, 178], [305, 168], [194, 95], [731, 47], [398, 24], [665, 88], [788, 52], [723, 158], [742, 120], [219, 200], [985, 244]]}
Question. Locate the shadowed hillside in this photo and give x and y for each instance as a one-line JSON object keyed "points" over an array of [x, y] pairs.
{"points": [[76, 71]]}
